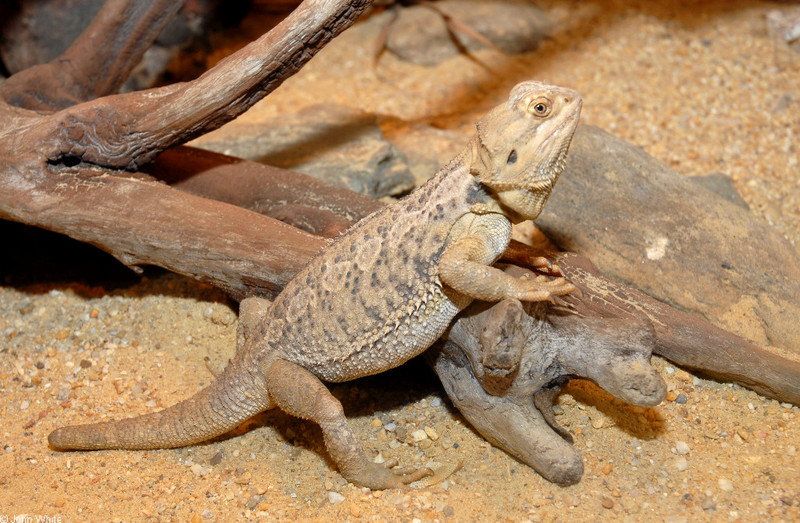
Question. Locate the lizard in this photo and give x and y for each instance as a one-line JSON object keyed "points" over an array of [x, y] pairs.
{"points": [[380, 293]]}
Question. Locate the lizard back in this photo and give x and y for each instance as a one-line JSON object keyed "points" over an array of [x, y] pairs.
{"points": [[376, 290]]}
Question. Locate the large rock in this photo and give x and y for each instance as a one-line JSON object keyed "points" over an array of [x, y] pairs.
{"points": [[644, 224], [421, 34], [336, 144]]}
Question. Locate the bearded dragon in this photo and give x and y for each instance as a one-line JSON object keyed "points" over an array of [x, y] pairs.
{"points": [[381, 293]]}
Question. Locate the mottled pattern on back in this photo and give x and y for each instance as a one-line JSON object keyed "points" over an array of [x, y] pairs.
{"points": [[373, 291]]}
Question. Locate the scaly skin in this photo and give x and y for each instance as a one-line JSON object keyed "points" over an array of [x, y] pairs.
{"points": [[381, 293]]}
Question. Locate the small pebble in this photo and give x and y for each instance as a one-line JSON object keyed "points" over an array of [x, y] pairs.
{"points": [[607, 503], [199, 470], [681, 399], [254, 501], [355, 510], [725, 484], [419, 435], [216, 459], [431, 433], [607, 468], [24, 405], [681, 464], [671, 396], [207, 514], [334, 498], [682, 448]]}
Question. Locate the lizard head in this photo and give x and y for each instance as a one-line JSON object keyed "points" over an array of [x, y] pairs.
{"points": [[520, 147]]}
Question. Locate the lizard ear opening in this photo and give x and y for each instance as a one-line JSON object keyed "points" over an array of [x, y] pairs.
{"points": [[480, 164]]}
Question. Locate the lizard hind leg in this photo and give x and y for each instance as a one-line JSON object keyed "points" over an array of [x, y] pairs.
{"points": [[235, 396], [298, 392]]}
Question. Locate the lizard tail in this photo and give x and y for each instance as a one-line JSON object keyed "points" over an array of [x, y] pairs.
{"points": [[236, 395]]}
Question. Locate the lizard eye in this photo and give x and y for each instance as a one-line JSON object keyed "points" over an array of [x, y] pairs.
{"points": [[512, 158], [540, 107]]}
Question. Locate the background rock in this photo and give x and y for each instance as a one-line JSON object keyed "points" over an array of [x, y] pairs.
{"points": [[420, 34], [336, 144]]}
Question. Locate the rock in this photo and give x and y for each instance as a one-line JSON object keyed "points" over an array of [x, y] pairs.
{"points": [[334, 498], [722, 185], [421, 35], [254, 501], [643, 224], [333, 143], [426, 148], [682, 448], [216, 459]]}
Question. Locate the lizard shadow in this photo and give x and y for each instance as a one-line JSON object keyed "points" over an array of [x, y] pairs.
{"points": [[40, 261], [640, 422], [394, 396]]}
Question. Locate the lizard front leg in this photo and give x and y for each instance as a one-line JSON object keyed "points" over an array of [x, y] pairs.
{"points": [[299, 393], [465, 265]]}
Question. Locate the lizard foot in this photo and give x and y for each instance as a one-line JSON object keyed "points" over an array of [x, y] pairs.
{"points": [[542, 289], [377, 476]]}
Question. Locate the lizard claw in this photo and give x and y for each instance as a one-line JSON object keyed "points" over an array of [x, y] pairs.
{"points": [[379, 476]]}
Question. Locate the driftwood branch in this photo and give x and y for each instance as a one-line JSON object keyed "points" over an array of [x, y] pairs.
{"points": [[73, 171], [683, 338]]}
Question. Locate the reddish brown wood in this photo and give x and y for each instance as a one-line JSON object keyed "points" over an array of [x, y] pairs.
{"points": [[73, 171]]}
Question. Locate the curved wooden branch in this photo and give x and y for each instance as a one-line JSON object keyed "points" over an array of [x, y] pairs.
{"points": [[295, 198], [129, 130], [58, 172], [142, 222], [98, 62]]}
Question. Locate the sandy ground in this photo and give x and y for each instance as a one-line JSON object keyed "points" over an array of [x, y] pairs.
{"points": [[703, 87]]}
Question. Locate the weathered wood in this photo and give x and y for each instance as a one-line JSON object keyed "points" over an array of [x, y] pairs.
{"points": [[292, 197], [683, 338], [61, 171]]}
